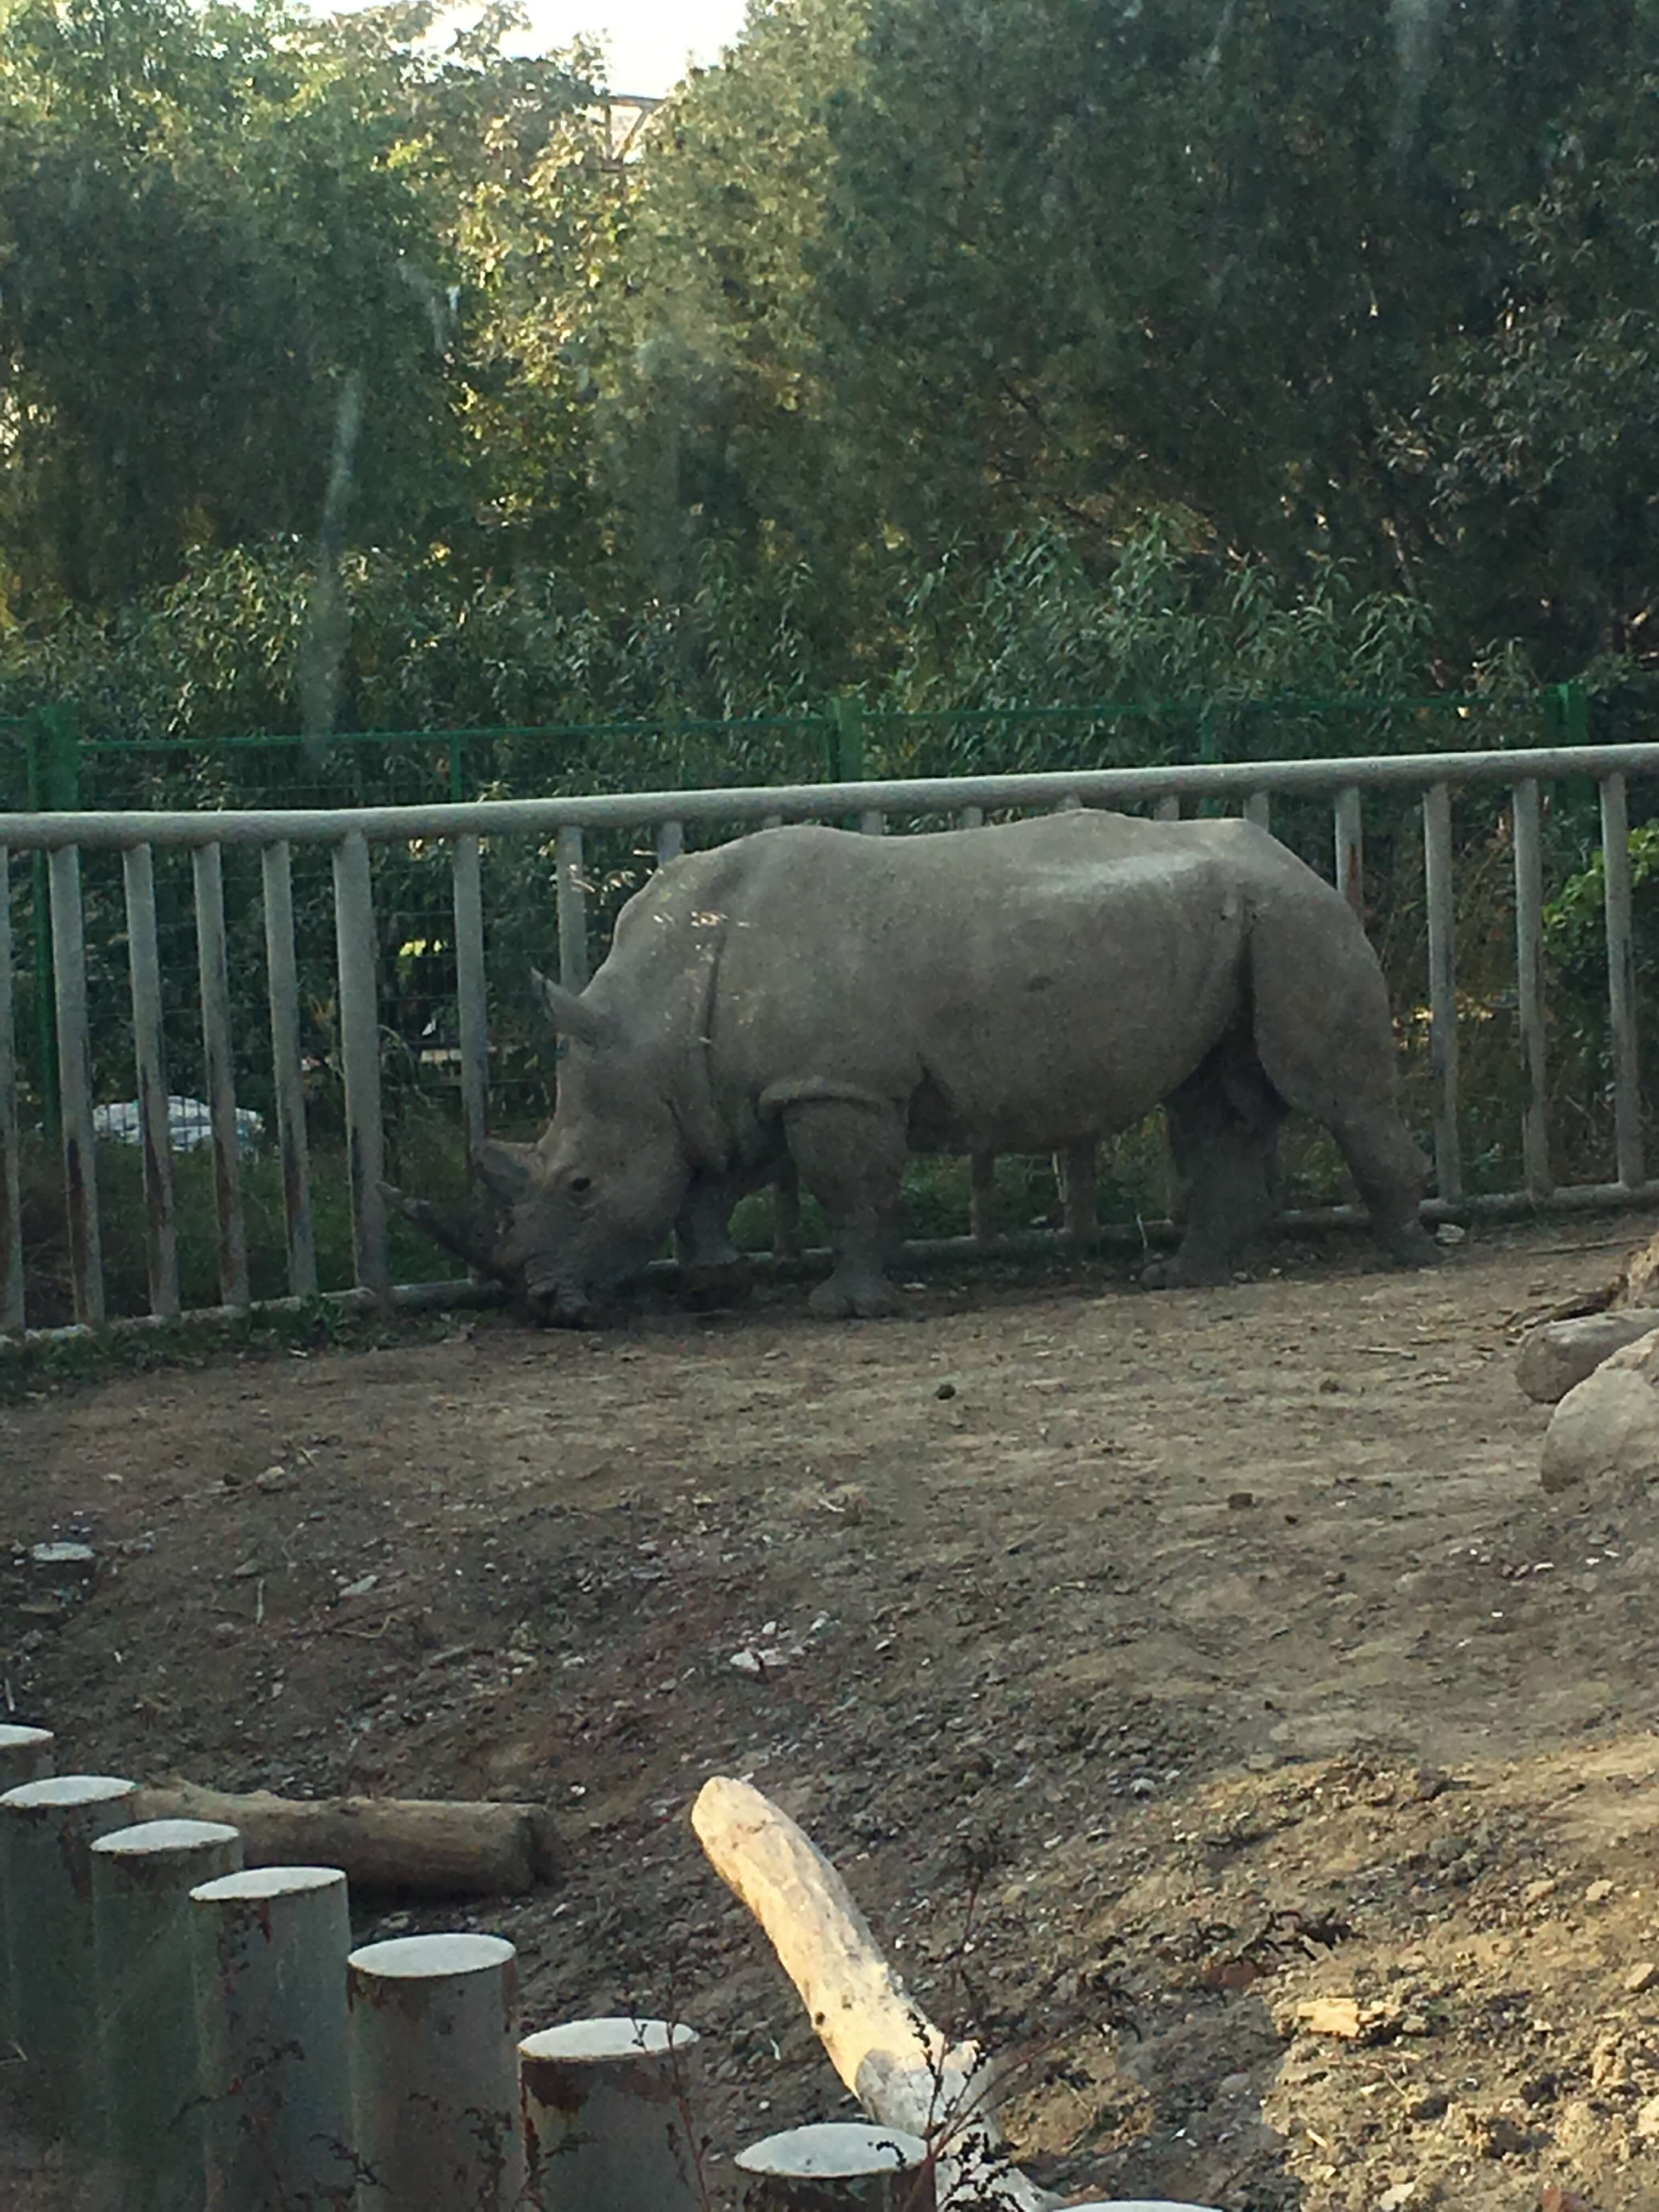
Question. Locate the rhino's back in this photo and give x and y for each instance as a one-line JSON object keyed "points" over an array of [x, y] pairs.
{"points": [[1017, 985]]}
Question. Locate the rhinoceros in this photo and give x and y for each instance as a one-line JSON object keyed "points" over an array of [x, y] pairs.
{"points": [[811, 996]]}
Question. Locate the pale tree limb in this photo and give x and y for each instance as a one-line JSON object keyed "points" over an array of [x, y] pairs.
{"points": [[881, 2044]]}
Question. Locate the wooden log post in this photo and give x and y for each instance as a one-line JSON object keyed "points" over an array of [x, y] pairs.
{"points": [[434, 2084], [269, 1959], [607, 2118], [890, 2055], [25, 1756], [431, 1848], [47, 1829], [142, 1878], [839, 2167]]}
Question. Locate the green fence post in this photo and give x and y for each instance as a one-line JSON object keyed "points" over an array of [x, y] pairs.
{"points": [[458, 768], [844, 752], [53, 751]]}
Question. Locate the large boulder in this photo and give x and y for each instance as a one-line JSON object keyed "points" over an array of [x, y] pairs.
{"points": [[1606, 1427], [1559, 1354]]}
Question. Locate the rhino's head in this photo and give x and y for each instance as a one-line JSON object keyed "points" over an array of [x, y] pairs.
{"points": [[566, 1222]]}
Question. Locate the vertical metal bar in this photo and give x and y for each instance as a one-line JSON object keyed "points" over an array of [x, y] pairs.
{"points": [[1621, 981], [155, 1128], [785, 1212], [69, 958], [970, 817], [572, 903], [983, 1197], [1070, 805], [872, 822], [1530, 984], [360, 1055], [282, 977], [1443, 987], [1349, 848], [1258, 809], [671, 841], [771, 822], [11, 1166], [472, 993], [1168, 808], [214, 970]]}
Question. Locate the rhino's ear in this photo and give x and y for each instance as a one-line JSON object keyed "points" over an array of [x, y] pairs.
{"points": [[508, 1172], [568, 1013]]}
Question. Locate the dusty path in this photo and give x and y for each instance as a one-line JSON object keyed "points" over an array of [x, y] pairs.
{"points": [[1117, 1625]]}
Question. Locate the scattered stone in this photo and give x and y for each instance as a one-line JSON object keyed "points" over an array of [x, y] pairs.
{"points": [[1559, 1354], [225, 1631], [1641, 1978], [1395, 2199], [1240, 1501], [1449, 1233], [1493, 2135], [1536, 1892], [270, 1477], [1598, 1892], [1330, 2016], [1431, 2107], [1562, 2200], [945, 1390], [1647, 2120]]}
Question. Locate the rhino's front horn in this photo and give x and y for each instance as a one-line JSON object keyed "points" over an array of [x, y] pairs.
{"points": [[466, 1234], [568, 1013], [507, 1172]]}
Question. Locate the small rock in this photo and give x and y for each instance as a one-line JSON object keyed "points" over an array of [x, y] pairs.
{"points": [[1536, 1892], [1647, 2120], [1641, 1978], [1142, 1785], [1598, 1892], [945, 1390], [1396, 2199], [1431, 2107], [225, 1631], [63, 1563], [1330, 2016], [361, 1587], [1449, 1233], [270, 1477], [1240, 1501]]}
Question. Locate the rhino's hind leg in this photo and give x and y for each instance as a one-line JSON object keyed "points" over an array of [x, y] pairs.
{"points": [[1223, 1132], [852, 1156]]}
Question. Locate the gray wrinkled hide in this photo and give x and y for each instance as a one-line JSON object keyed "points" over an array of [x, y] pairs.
{"points": [[1019, 989]]}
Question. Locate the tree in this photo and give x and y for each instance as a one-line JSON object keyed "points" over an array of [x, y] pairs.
{"points": [[216, 222]]}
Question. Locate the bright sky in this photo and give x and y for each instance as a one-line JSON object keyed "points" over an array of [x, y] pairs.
{"points": [[650, 43]]}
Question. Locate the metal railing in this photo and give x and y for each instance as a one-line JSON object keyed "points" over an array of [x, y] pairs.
{"points": [[350, 835]]}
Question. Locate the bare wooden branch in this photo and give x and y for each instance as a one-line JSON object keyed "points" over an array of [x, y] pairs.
{"points": [[879, 2041]]}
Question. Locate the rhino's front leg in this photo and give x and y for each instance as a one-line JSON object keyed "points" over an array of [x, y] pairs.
{"points": [[712, 1272], [851, 1156]]}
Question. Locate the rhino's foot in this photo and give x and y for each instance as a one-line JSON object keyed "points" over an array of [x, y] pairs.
{"points": [[713, 1285], [1179, 1273], [854, 1298], [1409, 1245]]}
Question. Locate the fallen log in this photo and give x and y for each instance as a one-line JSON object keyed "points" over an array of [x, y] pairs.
{"points": [[426, 1846], [884, 2048]]}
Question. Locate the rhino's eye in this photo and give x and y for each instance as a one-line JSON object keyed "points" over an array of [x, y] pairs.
{"points": [[579, 1183]]}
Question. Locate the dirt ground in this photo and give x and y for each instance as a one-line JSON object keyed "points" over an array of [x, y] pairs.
{"points": [[1150, 1666]]}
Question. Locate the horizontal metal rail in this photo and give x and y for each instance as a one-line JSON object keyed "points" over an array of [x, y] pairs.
{"points": [[809, 802], [350, 835]]}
